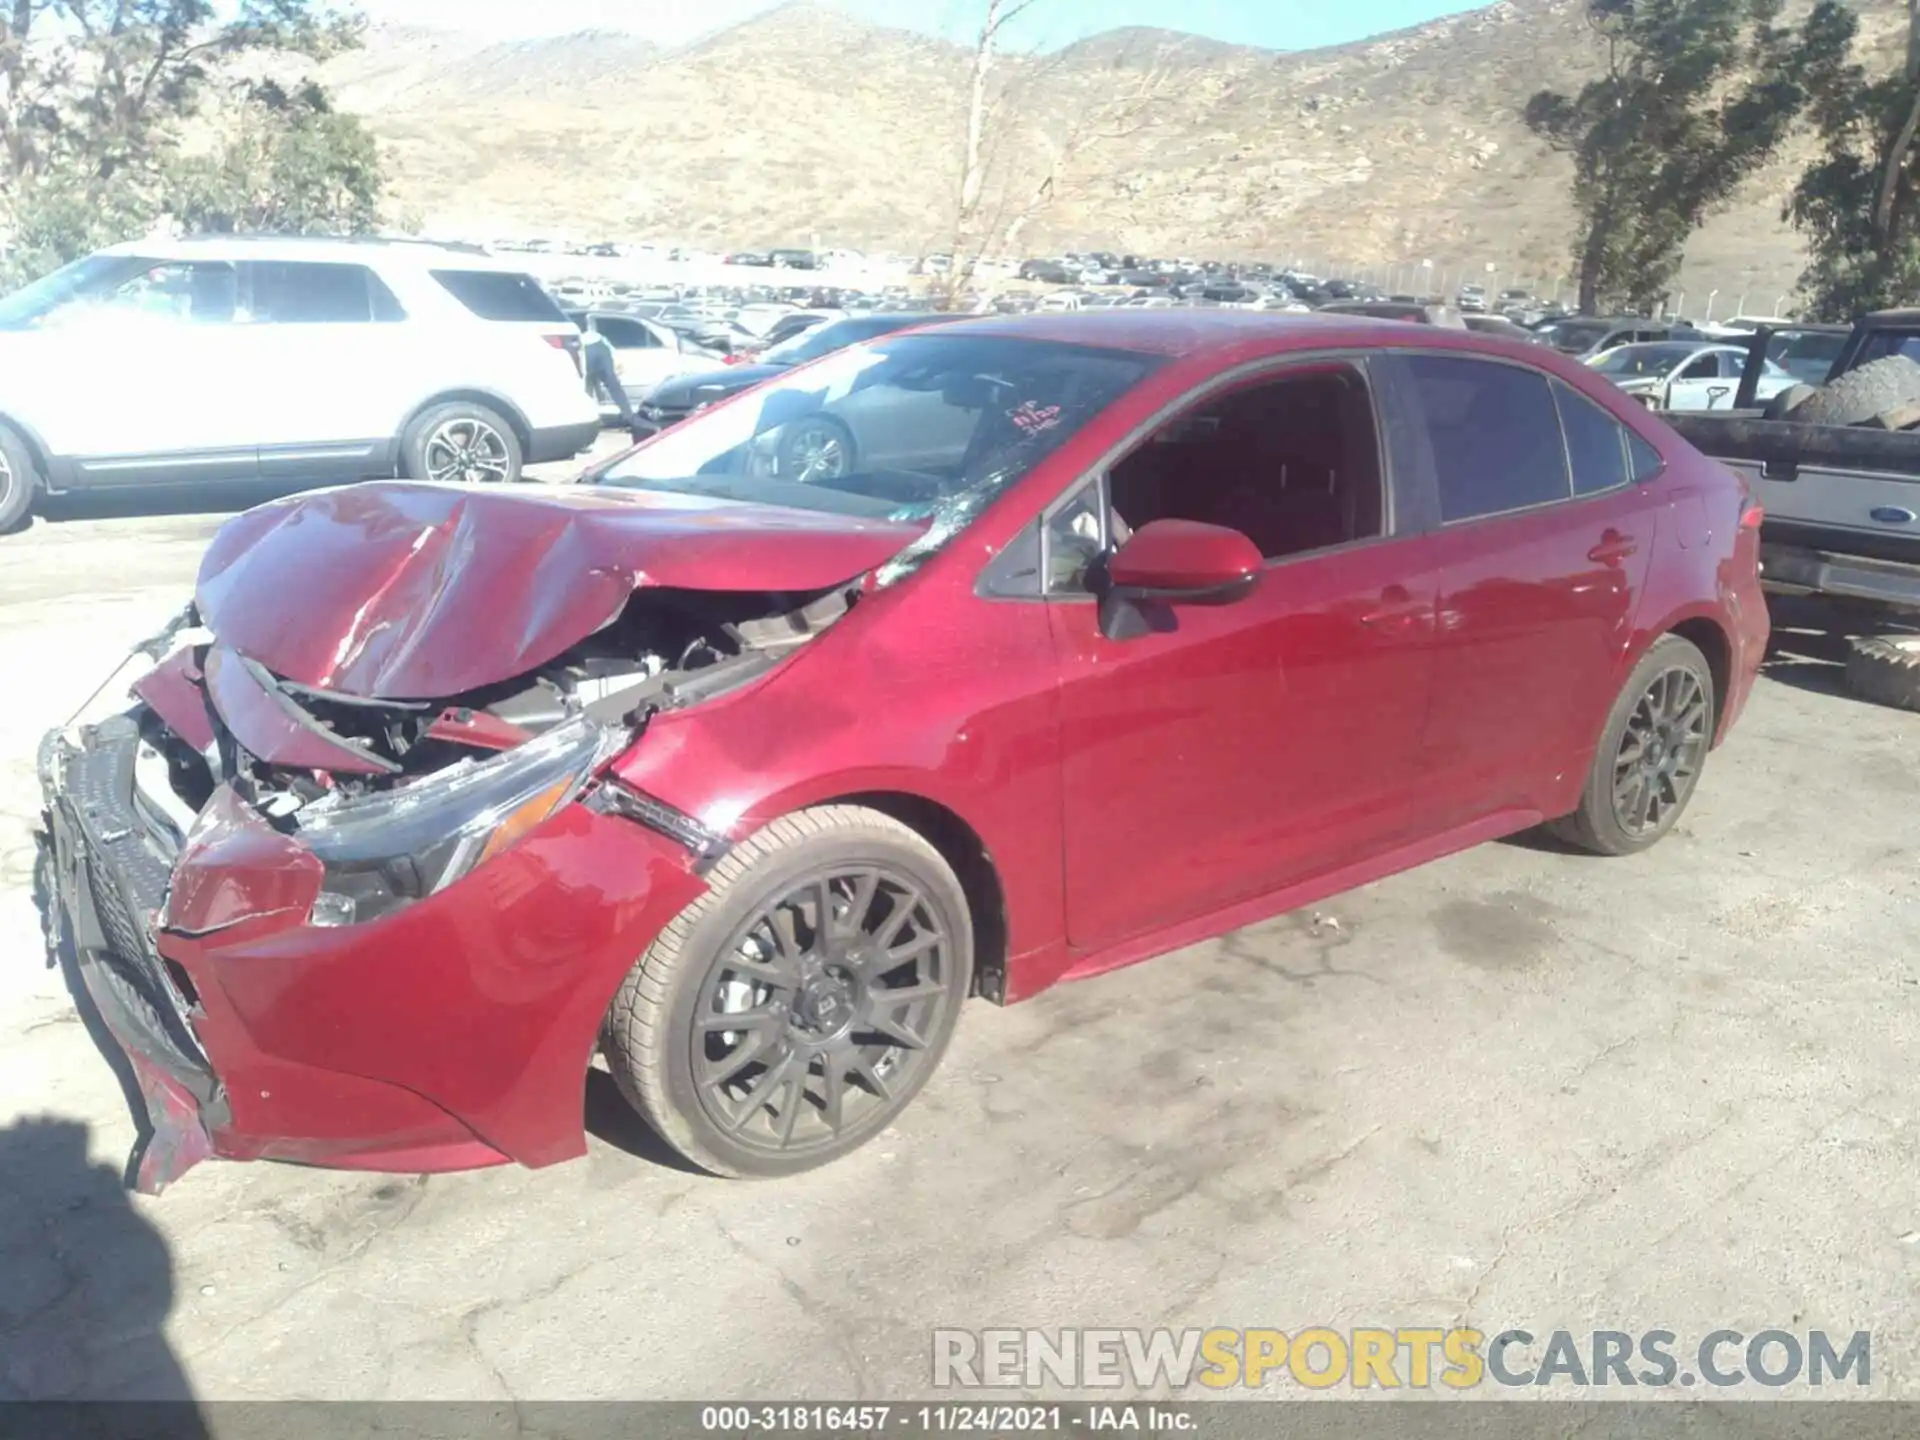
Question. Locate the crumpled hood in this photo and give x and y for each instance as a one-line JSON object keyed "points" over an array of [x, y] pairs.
{"points": [[407, 591]]}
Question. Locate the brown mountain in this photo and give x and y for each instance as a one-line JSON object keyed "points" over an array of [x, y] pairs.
{"points": [[807, 126]]}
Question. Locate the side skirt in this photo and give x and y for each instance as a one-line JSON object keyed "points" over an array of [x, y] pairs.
{"points": [[1292, 897]]}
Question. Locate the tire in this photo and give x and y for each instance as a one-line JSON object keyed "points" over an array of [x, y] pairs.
{"points": [[438, 440], [1886, 669], [709, 963], [1788, 401], [1681, 721], [1861, 394], [811, 438], [20, 481]]}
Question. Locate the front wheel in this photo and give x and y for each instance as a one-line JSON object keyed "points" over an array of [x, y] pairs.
{"points": [[1651, 754], [462, 442], [791, 1013]]}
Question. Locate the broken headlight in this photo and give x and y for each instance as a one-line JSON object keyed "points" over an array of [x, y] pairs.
{"points": [[384, 852]]}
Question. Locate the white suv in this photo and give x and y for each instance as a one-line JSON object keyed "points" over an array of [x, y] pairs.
{"points": [[315, 361]]}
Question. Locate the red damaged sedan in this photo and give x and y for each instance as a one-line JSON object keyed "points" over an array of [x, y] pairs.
{"points": [[954, 664]]}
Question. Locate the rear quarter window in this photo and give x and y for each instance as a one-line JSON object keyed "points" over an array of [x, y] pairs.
{"points": [[1643, 460], [1596, 442], [501, 295]]}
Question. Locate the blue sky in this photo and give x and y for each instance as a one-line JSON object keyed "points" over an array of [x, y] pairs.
{"points": [[1280, 24]]}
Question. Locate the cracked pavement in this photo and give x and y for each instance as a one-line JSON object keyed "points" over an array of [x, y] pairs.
{"points": [[1516, 1088]]}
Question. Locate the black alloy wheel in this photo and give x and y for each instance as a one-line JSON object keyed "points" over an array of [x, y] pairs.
{"points": [[1651, 753], [821, 1007], [792, 1011], [1661, 751]]}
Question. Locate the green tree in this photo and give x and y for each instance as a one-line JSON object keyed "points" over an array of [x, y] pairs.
{"points": [[1695, 95], [288, 163], [97, 98], [1859, 203]]}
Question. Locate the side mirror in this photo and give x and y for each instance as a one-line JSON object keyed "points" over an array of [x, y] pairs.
{"points": [[1185, 562], [1174, 562]]}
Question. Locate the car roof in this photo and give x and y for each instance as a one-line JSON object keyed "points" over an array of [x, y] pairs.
{"points": [[419, 254], [1179, 333]]}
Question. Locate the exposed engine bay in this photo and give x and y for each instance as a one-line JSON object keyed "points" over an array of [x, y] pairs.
{"points": [[665, 650]]}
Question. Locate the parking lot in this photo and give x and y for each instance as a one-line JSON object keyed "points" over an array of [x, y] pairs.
{"points": [[1517, 1088]]}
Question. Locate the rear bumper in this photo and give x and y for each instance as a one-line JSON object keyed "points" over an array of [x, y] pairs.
{"points": [[561, 442], [453, 1034]]}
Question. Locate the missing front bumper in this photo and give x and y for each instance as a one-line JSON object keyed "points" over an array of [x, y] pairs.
{"points": [[109, 879]]}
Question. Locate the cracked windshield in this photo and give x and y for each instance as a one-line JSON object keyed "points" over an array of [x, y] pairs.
{"points": [[913, 427]]}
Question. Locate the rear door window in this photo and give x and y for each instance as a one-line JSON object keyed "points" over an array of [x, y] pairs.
{"points": [[306, 293], [501, 295], [1494, 432]]}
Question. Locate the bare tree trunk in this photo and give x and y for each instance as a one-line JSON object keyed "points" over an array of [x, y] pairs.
{"points": [[994, 202], [967, 241], [1903, 142]]}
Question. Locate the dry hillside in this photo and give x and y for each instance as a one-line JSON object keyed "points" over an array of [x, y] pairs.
{"points": [[806, 124]]}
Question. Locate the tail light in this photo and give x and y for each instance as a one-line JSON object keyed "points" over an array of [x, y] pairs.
{"points": [[570, 344]]}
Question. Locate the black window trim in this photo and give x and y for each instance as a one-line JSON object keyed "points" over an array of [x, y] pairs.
{"points": [[1252, 372]]}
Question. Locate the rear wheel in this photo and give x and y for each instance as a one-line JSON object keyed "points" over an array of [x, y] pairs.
{"points": [[790, 1014], [461, 441], [815, 448], [20, 481], [1650, 757]]}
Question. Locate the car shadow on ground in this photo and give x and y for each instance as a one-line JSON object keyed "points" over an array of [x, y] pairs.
{"points": [[611, 1120], [1545, 842], [156, 500], [1811, 634], [89, 1282], [149, 501]]}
